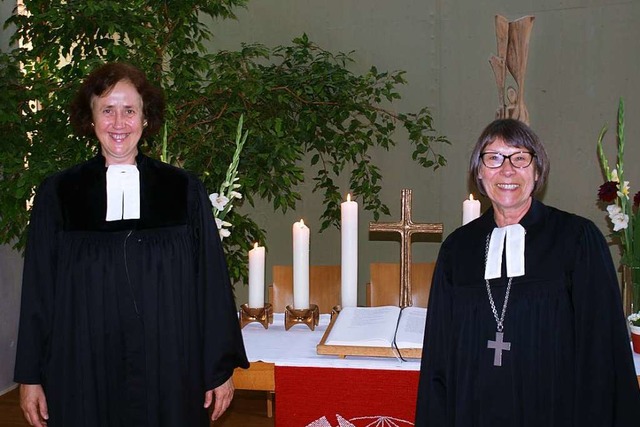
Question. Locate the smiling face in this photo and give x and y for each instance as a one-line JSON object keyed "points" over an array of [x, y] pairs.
{"points": [[508, 188], [118, 123]]}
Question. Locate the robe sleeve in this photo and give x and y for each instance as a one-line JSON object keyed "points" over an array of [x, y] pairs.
{"points": [[606, 385], [223, 348], [431, 408], [38, 287]]}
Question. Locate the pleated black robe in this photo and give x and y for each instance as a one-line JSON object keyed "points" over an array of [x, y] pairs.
{"points": [[126, 323], [570, 362]]}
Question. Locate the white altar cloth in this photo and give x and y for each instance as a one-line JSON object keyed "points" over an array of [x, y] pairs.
{"points": [[297, 347]]}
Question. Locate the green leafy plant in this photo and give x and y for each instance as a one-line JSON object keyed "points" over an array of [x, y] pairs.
{"points": [[308, 115]]}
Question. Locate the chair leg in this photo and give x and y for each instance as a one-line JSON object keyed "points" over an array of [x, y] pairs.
{"points": [[270, 395]]}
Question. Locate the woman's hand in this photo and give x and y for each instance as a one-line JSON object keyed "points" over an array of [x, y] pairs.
{"points": [[223, 398], [34, 404]]}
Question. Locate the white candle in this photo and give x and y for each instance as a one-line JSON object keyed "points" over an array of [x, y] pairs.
{"points": [[256, 276], [470, 209], [300, 266], [349, 240]]}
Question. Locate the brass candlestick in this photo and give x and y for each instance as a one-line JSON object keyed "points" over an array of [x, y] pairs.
{"points": [[262, 315], [308, 316], [335, 310]]}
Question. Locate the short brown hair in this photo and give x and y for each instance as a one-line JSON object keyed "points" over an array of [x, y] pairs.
{"points": [[101, 81], [515, 134]]}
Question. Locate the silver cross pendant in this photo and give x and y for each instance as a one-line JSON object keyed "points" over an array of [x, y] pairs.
{"points": [[498, 346]]}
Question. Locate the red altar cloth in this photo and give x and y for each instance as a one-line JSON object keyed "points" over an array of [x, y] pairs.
{"points": [[337, 397]]}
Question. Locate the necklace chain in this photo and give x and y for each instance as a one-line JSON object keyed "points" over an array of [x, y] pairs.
{"points": [[500, 320]]}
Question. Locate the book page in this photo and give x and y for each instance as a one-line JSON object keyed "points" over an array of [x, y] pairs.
{"points": [[410, 332], [364, 326]]}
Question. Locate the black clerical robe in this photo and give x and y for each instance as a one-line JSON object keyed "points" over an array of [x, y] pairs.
{"points": [[570, 361], [126, 323]]}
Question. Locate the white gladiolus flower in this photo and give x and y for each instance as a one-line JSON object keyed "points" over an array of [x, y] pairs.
{"points": [[624, 192], [614, 176], [235, 195], [218, 201], [613, 209], [620, 220], [220, 223], [222, 231]]}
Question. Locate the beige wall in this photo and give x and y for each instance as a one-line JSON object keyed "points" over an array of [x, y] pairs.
{"points": [[10, 279], [583, 56]]}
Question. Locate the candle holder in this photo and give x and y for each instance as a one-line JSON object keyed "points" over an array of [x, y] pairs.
{"points": [[307, 316], [335, 311], [262, 315]]}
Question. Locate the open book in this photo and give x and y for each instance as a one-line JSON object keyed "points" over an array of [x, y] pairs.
{"points": [[377, 327]]}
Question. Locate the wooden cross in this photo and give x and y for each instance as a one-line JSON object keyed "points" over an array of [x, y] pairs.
{"points": [[406, 228]]}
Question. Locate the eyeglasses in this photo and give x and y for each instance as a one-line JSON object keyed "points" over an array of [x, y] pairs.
{"points": [[519, 160]]}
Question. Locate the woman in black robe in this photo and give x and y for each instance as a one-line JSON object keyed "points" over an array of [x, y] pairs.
{"points": [[534, 336], [127, 315]]}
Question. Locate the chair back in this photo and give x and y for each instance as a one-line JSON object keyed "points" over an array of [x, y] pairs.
{"points": [[324, 287], [384, 285]]}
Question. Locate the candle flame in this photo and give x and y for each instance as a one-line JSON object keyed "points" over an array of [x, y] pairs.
{"points": [[301, 222], [255, 245], [470, 196], [348, 197]]}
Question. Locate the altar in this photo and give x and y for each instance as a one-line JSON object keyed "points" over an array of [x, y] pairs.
{"points": [[321, 390], [328, 391]]}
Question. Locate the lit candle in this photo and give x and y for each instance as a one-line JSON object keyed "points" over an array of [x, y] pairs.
{"points": [[256, 276], [300, 266], [470, 210], [349, 240]]}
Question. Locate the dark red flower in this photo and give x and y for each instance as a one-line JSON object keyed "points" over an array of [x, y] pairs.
{"points": [[608, 191], [636, 200]]}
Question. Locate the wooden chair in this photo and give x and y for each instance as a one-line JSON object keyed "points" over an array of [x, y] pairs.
{"points": [[324, 287], [384, 285]]}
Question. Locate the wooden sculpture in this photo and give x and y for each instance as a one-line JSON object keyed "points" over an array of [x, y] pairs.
{"points": [[513, 50]]}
